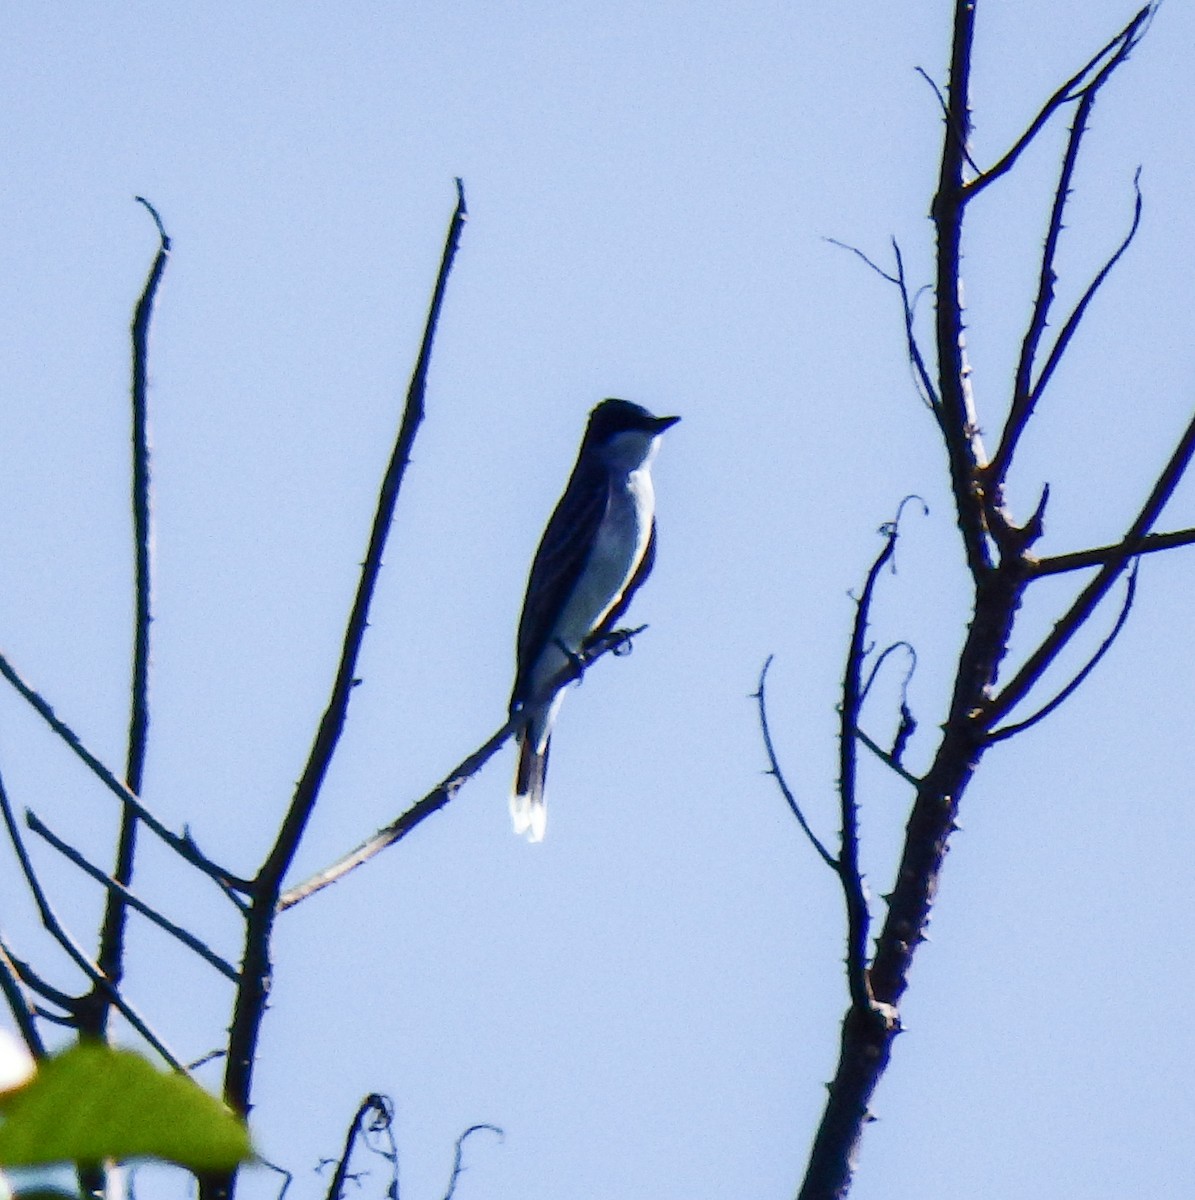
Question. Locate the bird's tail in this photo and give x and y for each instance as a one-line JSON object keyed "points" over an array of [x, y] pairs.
{"points": [[528, 812]]}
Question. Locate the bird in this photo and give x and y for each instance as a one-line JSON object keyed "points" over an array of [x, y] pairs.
{"points": [[598, 548]]}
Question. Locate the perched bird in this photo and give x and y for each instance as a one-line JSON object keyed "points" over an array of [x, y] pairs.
{"points": [[598, 548]]}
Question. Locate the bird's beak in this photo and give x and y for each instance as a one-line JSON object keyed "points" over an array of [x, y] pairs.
{"points": [[663, 423]]}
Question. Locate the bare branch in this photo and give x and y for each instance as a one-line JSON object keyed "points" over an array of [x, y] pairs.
{"points": [[183, 846], [328, 735], [110, 957], [253, 991], [999, 735], [1119, 48], [57, 931], [46, 990], [946, 114], [447, 788], [854, 893], [887, 759], [1079, 559], [376, 1114], [921, 374], [1026, 393], [865, 259], [1072, 322], [929, 393], [759, 695], [956, 409], [188, 939], [1066, 628], [22, 1009]]}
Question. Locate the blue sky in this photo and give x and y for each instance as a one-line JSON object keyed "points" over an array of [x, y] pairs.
{"points": [[648, 1002]]}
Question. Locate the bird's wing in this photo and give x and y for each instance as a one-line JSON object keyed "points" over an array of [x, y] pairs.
{"points": [[558, 563], [642, 571]]}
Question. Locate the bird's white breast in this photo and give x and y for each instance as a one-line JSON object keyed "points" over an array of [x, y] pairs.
{"points": [[617, 551]]}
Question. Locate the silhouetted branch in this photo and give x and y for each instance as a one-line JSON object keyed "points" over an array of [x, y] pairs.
{"points": [[858, 916], [999, 735], [58, 932], [759, 695], [1077, 560], [374, 1115], [887, 759], [448, 787], [1072, 322], [189, 940], [925, 385], [1066, 628], [110, 957], [1119, 48], [956, 408], [249, 1008], [1026, 393], [183, 846], [21, 1007]]}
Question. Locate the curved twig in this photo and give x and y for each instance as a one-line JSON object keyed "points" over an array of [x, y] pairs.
{"points": [[759, 695], [458, 1153]]}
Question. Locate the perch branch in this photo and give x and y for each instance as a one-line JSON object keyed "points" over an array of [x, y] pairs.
{"points": [[447, 788]]}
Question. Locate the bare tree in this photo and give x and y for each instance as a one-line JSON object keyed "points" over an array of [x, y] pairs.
{"points": [[988, 702]]}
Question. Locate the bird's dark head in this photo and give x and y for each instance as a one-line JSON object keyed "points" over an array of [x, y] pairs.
{"points": [[613, 417]]}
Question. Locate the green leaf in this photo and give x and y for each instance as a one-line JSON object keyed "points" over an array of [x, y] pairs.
{"points": [[92, 1103]]}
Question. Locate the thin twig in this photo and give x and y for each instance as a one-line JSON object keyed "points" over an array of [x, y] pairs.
{"points": [[332, 723], [1072, 621], [916, 360], [946, 114], [188, 939], [929, 394], [110, 957], [21, 1007], [458, 1154], [379, 1110], [1025, 392], [1007, 731], [183, 846], [1126, 40], [253, 992], [854, 893], [887, 759], [1072, 322], [447, 788], [57, 931], [760, 696], [1077, 560]]}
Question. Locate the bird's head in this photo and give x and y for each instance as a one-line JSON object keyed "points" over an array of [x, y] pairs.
{"points": [[624, 434]]}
